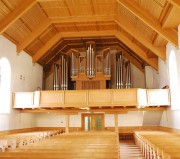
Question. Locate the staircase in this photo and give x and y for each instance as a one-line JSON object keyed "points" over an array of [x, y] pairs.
{"points": [[128, 150]]}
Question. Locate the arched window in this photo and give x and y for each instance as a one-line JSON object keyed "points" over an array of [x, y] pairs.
{"points": [[5, 83], [173, 76]]}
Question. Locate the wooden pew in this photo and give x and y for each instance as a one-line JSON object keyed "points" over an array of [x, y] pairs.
{"points": [[69, 146], [23, 139], [157, 144]]}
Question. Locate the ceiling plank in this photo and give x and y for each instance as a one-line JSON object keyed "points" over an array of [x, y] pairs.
{"points": [[175, 3], [143, 15], [72, 19], [16, 14], [122, 22], [151, 61], [32, 36], [87, 34], [42, 51]]}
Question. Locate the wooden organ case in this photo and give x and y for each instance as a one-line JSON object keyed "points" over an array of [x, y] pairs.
{"points": [[90, 70]]}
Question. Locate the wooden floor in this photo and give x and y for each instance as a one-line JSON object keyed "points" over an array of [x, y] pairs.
{"points": [[85, 145], [128, 150]]}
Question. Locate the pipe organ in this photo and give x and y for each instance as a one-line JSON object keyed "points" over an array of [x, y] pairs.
{"points": [[123, 72], [90, 70], [94, 68]]}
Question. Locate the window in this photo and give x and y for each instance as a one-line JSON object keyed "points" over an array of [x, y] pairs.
{"points": [[5, 82], [173, 76]]}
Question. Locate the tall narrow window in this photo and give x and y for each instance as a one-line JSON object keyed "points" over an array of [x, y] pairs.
{"points": [[5, 82], [173, 76]]}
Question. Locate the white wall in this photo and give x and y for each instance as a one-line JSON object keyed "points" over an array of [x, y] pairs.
{"points": [[170, 118], [56, 120], [132, 118], [138, 77], [151, 77], [32, 78]]}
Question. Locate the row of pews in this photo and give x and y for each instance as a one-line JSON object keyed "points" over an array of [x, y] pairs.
{"points": [[13, 141], [158, 144], [78, 145]]}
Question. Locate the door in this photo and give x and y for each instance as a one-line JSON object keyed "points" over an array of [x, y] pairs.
{"points": [[93, 122]]}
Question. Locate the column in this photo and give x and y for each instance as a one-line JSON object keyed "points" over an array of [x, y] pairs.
{"points": [[67, 124], [116, 123]]}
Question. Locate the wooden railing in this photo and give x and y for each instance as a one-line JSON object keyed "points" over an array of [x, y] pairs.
{"points": [[91, 98]]}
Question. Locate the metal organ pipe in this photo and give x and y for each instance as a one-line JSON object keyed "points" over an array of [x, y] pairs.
{"points": [[128, 75], [64, 73], [90, 56], [119, 71], [56, 77]]}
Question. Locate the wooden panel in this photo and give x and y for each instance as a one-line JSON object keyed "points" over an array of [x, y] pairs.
{"points": [[75, 98], [124, 97], [158, 97], [23, 99], [51, 98], [99, 97]]}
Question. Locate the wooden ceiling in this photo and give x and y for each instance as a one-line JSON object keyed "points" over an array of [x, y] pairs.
{"points": [[45, 28]]}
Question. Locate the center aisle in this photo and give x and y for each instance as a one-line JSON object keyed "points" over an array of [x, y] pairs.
{"points": [[128, 150]]}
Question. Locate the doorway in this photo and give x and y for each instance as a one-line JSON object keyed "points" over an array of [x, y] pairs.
{"points": [[93, 122]]}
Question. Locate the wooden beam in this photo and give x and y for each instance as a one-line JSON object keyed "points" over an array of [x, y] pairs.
{"points": [[168, 34], [122, 22], [151, 61], [16, 14], [32, 36], [42, 51], [105, 110], [175, 3], [72, 19]]}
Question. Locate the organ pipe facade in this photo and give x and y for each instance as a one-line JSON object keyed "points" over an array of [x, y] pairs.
{"points": [[64, 72], [90, 70], [123, 72]]}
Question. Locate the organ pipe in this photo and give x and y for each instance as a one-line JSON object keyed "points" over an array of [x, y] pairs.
{"points": [[106, 56], [90, 57], [64, 72], [56, 77], [128, 74], [119, 71]]}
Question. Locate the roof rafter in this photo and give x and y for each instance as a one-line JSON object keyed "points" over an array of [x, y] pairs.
{"points": [[32, 36], [42, 51], [160, 52], [151, 61], [175, 3], [16, 14], [119, 35], [168, 34]]}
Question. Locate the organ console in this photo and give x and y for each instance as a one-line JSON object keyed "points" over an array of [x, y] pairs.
{"points": [[90, 69]]}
